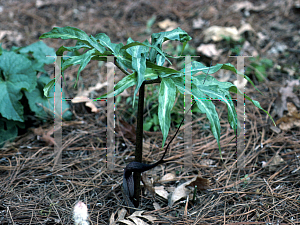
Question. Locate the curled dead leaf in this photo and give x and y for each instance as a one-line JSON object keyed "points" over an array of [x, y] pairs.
{"points": [[168, 177], [201, 183], [291, 120]]}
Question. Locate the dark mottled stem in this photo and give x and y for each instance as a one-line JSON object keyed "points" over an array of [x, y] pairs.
{"points": [[139, 145]]}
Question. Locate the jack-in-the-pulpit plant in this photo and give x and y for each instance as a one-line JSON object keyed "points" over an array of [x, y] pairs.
{"points": [[146, 62]]}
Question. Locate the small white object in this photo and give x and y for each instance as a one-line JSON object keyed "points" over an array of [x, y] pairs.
{"points": [[80, 214]]}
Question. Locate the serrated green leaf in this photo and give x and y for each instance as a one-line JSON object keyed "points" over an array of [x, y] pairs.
{"points": [[166, 99], [17, 75]]}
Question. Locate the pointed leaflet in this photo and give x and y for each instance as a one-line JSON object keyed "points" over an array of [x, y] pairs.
{"points": [[228, 66], [48, 87], [158, 38], [166, 99], [83, 60], [105, 41], [129, 81], [146, 44], [204, 104], [163, 71], [217, 93], [73, 33], [138, 63], [199, 67], [62, 49]]}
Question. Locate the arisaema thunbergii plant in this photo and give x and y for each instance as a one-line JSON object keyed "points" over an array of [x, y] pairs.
{"points": [[146, 62]]}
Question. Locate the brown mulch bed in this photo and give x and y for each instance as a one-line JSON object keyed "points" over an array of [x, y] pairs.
{"points": [[35, 190]]}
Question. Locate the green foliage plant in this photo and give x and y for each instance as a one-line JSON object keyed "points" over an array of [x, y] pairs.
{"points": [[143, 64], [259, 67], [22, 88]]}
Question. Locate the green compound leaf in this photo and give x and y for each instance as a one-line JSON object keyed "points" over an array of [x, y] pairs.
{"points": [[129, 81], [204, 104], [138, 63], [104, 40], [158, 38], [83, 60], [73, 33]]}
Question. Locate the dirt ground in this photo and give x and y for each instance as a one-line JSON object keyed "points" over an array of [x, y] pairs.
{"points": [[265, 191]]}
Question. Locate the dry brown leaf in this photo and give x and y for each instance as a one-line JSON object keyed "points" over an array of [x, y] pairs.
{"points": [[240, 85], [156, 206], [217, 33], [198, 23], [179, 193], [160, 190], [134, 219], [80, 214], [45, 135], [13, 36], [167, 25], [122, 213], [201, 183], [168, 177], [284, 94], [209, 50], [207, 162], [249, 49], [291, 119], [182, 192], [147, 184], [83, 97], [247, 6], [42, 3], [246, 27], [128, 130], [276, 161]]}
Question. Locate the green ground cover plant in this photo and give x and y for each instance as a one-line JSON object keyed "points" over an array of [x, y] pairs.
{"points": [[143, 64], [22, 79]]}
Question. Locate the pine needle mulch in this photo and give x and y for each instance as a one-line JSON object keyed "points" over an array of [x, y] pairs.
{"points": [[265, 189]]}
